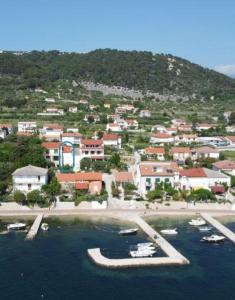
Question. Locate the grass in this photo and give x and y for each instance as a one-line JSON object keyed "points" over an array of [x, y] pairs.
{"points": [[229, 155]]}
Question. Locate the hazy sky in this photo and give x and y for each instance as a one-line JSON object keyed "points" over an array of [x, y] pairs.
{"points": [[202, 31]]}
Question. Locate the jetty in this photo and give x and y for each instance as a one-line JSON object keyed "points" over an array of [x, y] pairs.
{"points": [[34, 228], [220, 227], [173, 256]]}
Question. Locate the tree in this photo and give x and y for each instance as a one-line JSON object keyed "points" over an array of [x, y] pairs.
{"points": [[115, 159], [19, 197], [86, 164], [53, 188], [34, 197]]}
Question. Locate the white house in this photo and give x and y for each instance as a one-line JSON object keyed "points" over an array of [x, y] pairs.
{"points": [[112, 140], [150, 174], [161, 138], [114, 127], [145, 113], [156, 153], [27, 126], [72, 137], [186, 138], [52, 132], [73, 109], [205, 152], [180, 153], [29, 178], [226, 166], [196, 178]]}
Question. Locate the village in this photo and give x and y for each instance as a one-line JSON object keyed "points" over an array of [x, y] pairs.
{"points": [[175, 164]]}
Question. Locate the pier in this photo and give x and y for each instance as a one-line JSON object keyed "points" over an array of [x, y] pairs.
{"points": [[34, 228], [220, 227], [173, 256]]}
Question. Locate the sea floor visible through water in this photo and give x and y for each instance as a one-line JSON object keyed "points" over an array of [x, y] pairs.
{"points": [[55, 264]]}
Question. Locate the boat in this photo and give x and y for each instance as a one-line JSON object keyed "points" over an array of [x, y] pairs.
{"points": [[169, 231], [130, 231], [145, 248], [142, 253], [197, 222], [145, 244], [213, 238], [44, 227], [16, 226], [205, 228]]}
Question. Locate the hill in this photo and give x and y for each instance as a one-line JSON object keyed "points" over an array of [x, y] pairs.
{"points": [[141, 71]]}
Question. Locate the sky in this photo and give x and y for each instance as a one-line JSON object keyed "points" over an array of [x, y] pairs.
{"points": [[202, 31]]}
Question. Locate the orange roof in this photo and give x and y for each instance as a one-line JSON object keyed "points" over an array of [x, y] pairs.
{"points": [[73, 177], [6, 125], [110, 136], [81, 185], [180, 150], [95, 187], [124, 177], [71, 134], [158, 169], [193, 172], [155, 150], [67, 149], [231, 138], [225, 164], [51, 145], [89, 142], [162, 135], [54, 126]]}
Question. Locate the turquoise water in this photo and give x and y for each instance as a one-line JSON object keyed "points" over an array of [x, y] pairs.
{"points": [[55, 264]]}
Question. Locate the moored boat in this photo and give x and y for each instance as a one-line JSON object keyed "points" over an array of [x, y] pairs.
{"points": [[197, 222], [205, 228], [16, 226], [145, 244], [45, 226], [142, 253], [130, 231], [169, 231], [213, 238]]}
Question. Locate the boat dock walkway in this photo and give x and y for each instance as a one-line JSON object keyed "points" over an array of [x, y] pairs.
{"points": [[220, 227], [173, 256], [34, 228]]}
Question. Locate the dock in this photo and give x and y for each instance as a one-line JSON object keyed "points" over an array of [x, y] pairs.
{"points": [[34, 228], [220, 227], [173, 256]]}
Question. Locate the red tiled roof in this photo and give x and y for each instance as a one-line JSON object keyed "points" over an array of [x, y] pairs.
{"points": [[158, 169], [71, 134], [124, 177], [89, 142], [225, 164], [193, 172], [73, 177], [180, 150], [110, 136], [51, 145], [54, 126], [161, 135], [81, 185], [154, 150]]}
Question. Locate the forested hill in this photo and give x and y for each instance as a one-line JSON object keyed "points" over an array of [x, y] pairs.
{"points": [[158, 73]]}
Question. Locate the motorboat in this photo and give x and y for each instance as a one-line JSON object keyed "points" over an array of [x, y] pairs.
{"points": [[205, 228], [45, 227], [146, 248], [142, 253], [130, 231], [16, 226], [197, 222], [213, 238], [148, 244], [169, 231]]}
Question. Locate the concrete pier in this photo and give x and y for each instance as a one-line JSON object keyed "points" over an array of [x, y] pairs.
{"points": [[34, 228], [220, 227], [173, 256]]}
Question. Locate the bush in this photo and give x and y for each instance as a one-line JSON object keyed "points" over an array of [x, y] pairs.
{"points": [[19, 197]]}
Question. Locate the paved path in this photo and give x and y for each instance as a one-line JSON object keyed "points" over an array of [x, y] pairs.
{"points": [[34, 228], [220, 227]]}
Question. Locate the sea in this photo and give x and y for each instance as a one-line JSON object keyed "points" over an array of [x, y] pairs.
{"points": [[55, 265]]}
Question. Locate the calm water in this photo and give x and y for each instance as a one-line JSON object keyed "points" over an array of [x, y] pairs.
{"points": [[55, 265]]}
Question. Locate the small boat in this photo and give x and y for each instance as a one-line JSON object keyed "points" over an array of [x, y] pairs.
{"points": [[142, 253], [16, 226], [169, 231], [145, 248], [197, 222], [148, 244], [213, 238], [45, 227], [205, 228], [130, 231]]}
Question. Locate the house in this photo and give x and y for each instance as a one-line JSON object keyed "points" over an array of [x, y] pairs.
{"points": [[205, 152], [52, 111], [186, 138], [196, 178], [73, 109], [213, 140], [72, 137], [180, 154], [185, 128], [50, 100], [52, 132], [92, 118], [90, 181], [122, 109], [157, 153], [158, 128], [230, 129], [145, 113], [205, 126], [52, 152], [161, 138], [171, 130], [124, 177], [131, 124], [107, 105], [83, 101], [29, 178], [113, 127], [151, 174], [112, 139], [113, 118], [27, 126], [5, 129], [93, 149], [93, 107], [178, 122], [226, 166]]}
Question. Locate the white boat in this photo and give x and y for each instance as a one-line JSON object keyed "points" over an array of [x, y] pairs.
{"points": [[44, 227], [205, 228], [146, 248], [145, 244], [16, 226], [169, 231], [213, 238], [130, 231], [197, 222], [142, 253]]}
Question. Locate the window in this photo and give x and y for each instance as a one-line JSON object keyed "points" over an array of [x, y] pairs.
{"points": [[167, 180], [29, 187], [39, 178]]}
